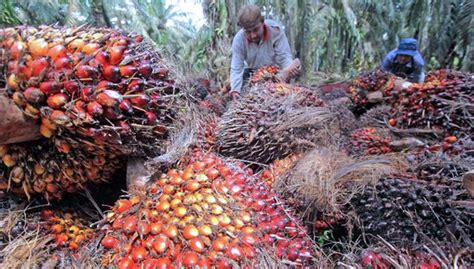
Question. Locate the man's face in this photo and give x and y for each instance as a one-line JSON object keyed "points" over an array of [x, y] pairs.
{"points": [[255, 34], [403, 59]]}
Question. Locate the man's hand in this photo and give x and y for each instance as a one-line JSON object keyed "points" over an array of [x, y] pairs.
{"points": [[291, 71]]}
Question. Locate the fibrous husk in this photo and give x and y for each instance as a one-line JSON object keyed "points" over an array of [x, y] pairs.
{"points": [[274, 120], [324, 179], [192, 131], [375, 117], [406, 210]]}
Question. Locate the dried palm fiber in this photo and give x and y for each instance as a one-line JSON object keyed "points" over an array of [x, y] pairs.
{"points": [[191, 132], [405, 211], [324, 180], [375, 117], [98, 92], [274, 120]]}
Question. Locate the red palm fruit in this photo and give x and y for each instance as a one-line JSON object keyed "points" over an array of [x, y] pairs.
{"points": [[150, 117], [127, 70], [46, 122], [57, 100], [145, 69], [129, 224], [63, 63], [12, 82], [116, 54], [103, 58], [90, 48], [138, 38], [135, 85], [19, 99], [160, 130], [109, 98], [94, 63], [34, 95], [190, 259], [23, 71], [71, 86], [75, 45], [106, 85], [109, 241], [87, 94], [163, 263], [111, 73], [126, 106], [122, 42], [57, 51], [12, 66], [58, 117], [38, 47], [86, 72], [126, 263], [94, 109], [112, 113], [139, 254], [45, 131], [143, 228], [141, 101], [17, 49], [50, 87], [125, 128], [77, 57], [122, 205], [160, 73], [39, 65]]}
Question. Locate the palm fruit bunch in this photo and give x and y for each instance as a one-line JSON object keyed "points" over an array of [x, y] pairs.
{"points": [[211, 214], [270, 122], [381, 258], [402, 209], [369, 141], [435, 165], [54, 167], [279, 167], [439, 103], [367, 82], [100, 93], [68, 229], [265, 73]]}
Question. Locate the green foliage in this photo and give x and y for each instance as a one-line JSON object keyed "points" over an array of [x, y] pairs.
{"points": [[340, 37], [7, 14]]}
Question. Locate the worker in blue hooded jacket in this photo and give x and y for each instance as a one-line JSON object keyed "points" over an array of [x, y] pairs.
{"points": [[405, 61]]}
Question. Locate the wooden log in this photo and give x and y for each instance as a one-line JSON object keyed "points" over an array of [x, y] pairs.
{"points": [[137, 175], [15, 126], [468, 182]]}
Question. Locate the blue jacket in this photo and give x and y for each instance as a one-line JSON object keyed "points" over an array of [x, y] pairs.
{"points": [[412, 71]]}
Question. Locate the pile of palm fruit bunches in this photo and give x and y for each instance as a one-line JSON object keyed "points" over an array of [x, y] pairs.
{"points": [[102, 95], [99, 94]]}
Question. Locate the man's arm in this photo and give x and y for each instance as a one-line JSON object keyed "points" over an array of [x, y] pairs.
{"points": [[387, 62], [237, 64], [282, 50], [418, 75]]}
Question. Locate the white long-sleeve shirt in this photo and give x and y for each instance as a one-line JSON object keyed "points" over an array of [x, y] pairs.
{"points": [[272, 49]]}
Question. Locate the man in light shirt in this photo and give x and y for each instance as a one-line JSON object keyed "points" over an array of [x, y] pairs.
{"points": [[260, 42]]}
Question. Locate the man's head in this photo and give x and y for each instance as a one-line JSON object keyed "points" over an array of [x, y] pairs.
{"points": [[250, 18], [408, 48]]}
